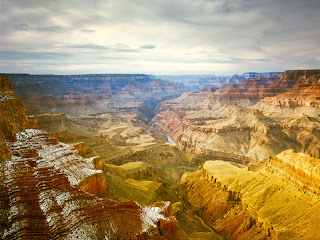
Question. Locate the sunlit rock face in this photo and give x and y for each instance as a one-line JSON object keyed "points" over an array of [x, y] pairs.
{"points": [[299, 168], [295, 78], [271, 201], [49, 191]]}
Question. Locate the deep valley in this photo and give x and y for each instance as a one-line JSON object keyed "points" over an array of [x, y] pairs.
{"points": [[134, 156]]}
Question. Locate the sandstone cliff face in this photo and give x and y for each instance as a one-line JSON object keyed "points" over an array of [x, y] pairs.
{"points": [[261, 204], [297, 93], [278, 85], [246, 133], [252, 89], [223, 209], [246, 94], [12, 113], [295, 78]]}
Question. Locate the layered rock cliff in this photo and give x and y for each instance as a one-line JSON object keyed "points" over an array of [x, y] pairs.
{"points": [[297, 93], [12, 113], [247, 132]]}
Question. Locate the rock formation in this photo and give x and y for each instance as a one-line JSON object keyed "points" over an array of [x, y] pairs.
{"points": [[297, 92], [12, 113], [266, 203]]}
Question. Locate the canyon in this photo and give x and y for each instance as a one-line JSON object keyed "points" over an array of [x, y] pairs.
{"points": [[132, 156], [92, 94], [252, 119], [49, 191]]}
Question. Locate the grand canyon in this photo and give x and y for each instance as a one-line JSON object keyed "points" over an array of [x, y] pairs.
{"points": [[134, 156], [159, 120]]}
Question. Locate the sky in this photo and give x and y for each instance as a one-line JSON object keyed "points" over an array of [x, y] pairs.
{"points": [[159, 37]]}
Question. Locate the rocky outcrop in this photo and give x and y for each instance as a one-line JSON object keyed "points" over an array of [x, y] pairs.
{"points": [[253, 89], [299, 96], [244, 94], [301, 100], [132, 170], [267, 86], [261, 204], [224, 209], [12, 113], [295, 88], [95, 184], [12, 117], [235, 79], [245, 133], [295, 78]]}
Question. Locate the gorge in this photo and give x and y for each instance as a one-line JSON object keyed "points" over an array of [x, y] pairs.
{"points": [[133, 156]]}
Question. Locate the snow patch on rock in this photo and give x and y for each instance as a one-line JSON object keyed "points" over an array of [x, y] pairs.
{"points": [[151, 215]]}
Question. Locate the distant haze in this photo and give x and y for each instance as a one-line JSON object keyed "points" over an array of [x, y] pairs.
{"points": [[158, 36]]}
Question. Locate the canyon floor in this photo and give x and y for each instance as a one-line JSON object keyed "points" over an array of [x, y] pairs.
{"points": [[137, 157]]}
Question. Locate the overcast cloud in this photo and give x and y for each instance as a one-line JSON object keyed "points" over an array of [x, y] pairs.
{"points": [[158, 36]]}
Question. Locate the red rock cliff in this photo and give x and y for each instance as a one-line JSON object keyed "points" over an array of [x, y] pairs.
{"points": [[12, 113]]}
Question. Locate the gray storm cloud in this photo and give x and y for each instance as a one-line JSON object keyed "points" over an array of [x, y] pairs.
{"points": [[158, 36]]}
